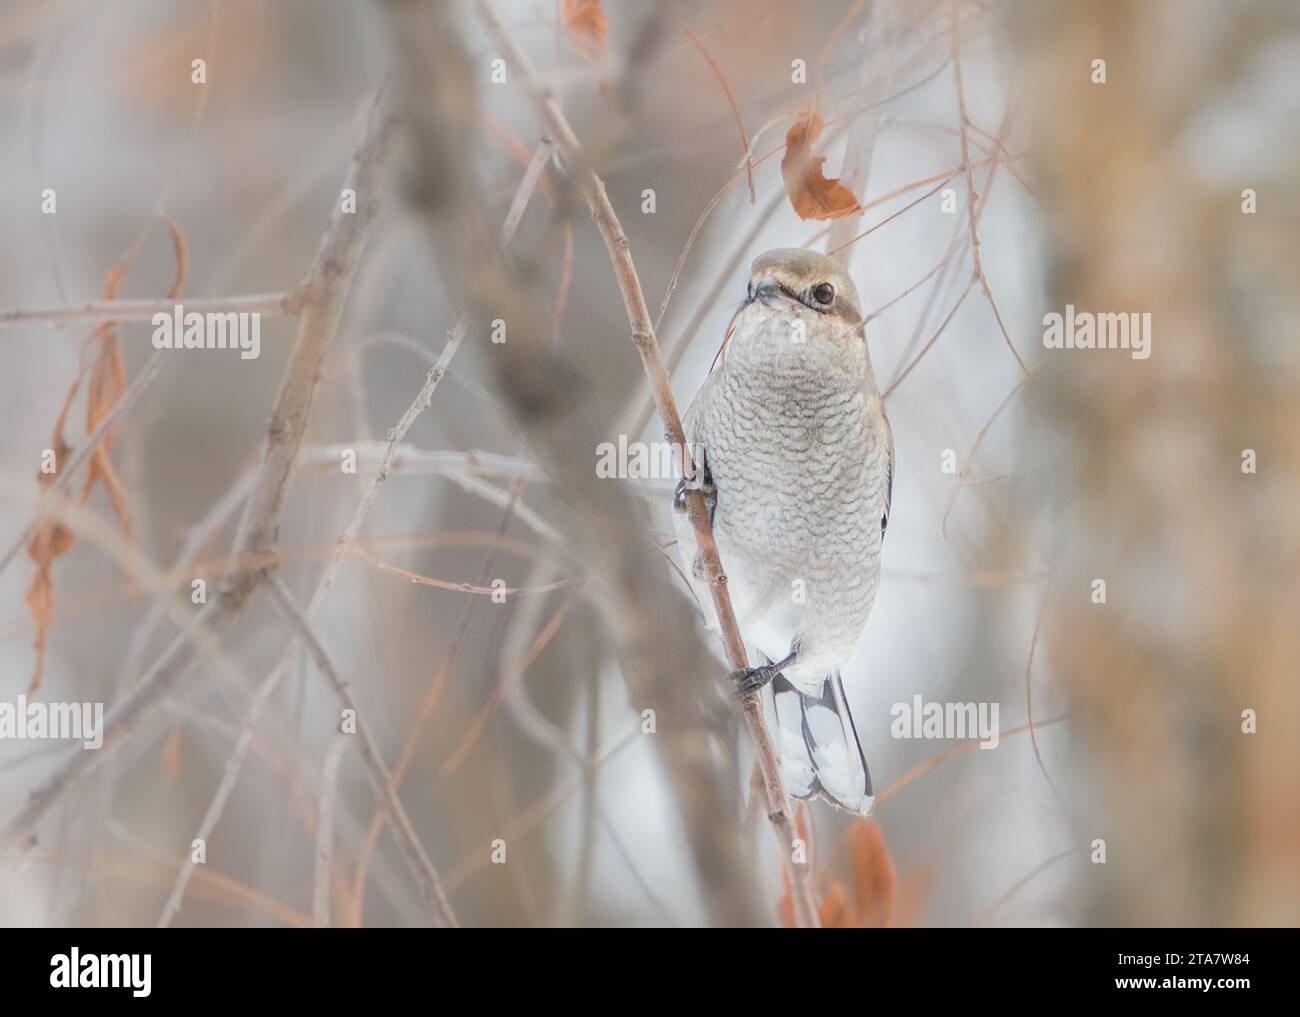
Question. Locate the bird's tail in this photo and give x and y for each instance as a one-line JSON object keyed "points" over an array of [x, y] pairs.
{"points": [[820, 752]]}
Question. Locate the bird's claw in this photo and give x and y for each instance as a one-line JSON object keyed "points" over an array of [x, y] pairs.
{"points": [[703, 481], [749, 681], [679, 497]]}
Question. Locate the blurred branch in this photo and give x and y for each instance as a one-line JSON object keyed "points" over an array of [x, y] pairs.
{"points": [[970, 456], [320, 897], [677, 347], [424, 397], [652, 625], [324, 292], [390, 454], [971, 198], [987, 916], [855, 172], [229, 778], [974, 743], [643, 337], [1196, 805], [373, 760], [735, 111], [902, 375], [117, 311], [431, 697]]}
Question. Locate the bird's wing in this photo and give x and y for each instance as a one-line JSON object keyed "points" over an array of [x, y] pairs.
{"points": [[694, 439], [701, 397], [889, 474]]}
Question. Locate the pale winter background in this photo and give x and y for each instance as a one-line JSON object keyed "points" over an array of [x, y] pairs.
{"points": [[517, 726]]}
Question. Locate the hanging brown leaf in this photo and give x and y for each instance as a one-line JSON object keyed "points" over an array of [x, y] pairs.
{"points": [[101, 361], [108, 382], [585, 22], [50, 540], [812, 195], [873, 874], [878, 899]]}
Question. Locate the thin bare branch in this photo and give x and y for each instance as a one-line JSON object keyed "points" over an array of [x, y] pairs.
{"points": [[1020, 883], [923, 768], [930, 342], [373, 760], [735, 110], [970, 457], [118, 311], [324, 292], [229, 778], [392, 452], [320, 897], [971, 201]]}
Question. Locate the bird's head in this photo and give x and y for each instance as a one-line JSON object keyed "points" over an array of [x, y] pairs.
{"points": [[805, 283]]}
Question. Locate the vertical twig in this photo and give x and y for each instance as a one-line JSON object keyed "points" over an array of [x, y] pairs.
{"points": [[373, 760], [320, 896], [229, 778], [972, 199], [861, 143]]}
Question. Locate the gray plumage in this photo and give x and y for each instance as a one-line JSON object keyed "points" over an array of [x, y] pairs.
{"points": [[800, 457]]}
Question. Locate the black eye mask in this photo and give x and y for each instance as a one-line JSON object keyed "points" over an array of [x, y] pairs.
{"points": [[840, 306]]}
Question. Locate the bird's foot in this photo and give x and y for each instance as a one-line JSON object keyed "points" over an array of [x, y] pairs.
{"points": [[679, 497], [703, 481], [749, 681]]}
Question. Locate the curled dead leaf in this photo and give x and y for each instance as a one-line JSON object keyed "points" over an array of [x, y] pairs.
{"points": [[50, 540], [874, 878], [102, 367], [878, 898], [812, 194]]}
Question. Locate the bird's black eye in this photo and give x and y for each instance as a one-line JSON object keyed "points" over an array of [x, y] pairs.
{"points": [[749, 290], [824, 294]]}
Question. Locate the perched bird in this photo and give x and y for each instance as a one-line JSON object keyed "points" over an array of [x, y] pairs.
{"points": [[798, 466]]}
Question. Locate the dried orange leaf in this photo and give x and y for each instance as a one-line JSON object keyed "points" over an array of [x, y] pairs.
{"points": [[106, 385], [50, 540], [182, 251], [873, 874], [909, 900], [785, 906], [835, 911], [812, 195], [585, 22]]}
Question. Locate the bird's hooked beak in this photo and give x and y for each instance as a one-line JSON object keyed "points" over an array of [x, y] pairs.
{"points": [[766, 290]]}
